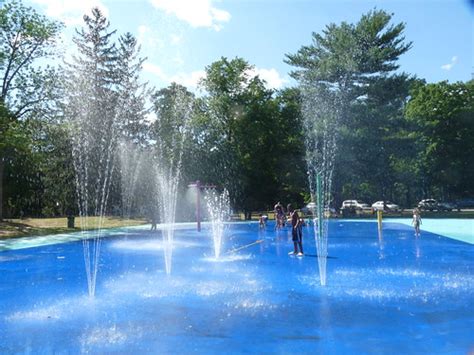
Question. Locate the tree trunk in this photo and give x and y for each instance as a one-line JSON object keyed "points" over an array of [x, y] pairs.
{"points": [[2, 163]]}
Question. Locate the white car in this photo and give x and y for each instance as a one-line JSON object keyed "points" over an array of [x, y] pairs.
{"points": [[358, 205], [390, 206]]}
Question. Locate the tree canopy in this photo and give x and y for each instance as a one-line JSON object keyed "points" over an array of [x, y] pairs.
{"points": [[380, 133]]}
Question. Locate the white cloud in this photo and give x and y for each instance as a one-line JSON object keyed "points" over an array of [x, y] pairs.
{"points": [[176, 39], [449, 66], [155, 70], [270, 76], [178, 60], [190, 80], [149, 39], [198, 13], [70, 12]]}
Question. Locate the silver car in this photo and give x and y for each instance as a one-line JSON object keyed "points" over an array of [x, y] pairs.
{"points": [[390, 206]]}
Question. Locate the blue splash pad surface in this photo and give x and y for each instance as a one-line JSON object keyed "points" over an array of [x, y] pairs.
{"points": [[385, 293], [460, 229]]}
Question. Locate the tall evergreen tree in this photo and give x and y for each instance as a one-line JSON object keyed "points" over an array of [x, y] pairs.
{"points": [[133, 94], [338, 73], [91, 108]]}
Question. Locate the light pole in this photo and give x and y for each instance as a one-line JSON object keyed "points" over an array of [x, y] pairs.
{"points": [[198, 187]]}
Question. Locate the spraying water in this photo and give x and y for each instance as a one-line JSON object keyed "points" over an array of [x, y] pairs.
{"points": [[171, 133], [102, 101], [218, 207], [131, 158], [93, 160], [320, 123]]}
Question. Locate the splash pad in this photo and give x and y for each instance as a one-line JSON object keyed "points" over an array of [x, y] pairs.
{"points": [[254, 298]]}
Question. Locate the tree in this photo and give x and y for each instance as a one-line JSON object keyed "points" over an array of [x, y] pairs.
{"points": [[288, 132], [337, 74], [172, 106], [55, 168], [25, 37], [247, 137], [442, 115], [132, 93], [226, 82], [90, 108]]}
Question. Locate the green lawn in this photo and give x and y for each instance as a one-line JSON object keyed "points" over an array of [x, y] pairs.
{"points": [[11, 228]]}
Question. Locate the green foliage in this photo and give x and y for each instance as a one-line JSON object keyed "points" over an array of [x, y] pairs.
{"points": [[442, 115], [25, 37], [173, 106], [26, 91], [351, 93], [246, 139], [347, 56], [56, 168], [132, 93], [242, 136]]}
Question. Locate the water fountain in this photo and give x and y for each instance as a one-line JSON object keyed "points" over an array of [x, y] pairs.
{"points": [[93, 134], [218, 207], [320, 124], [172, 130], [130, 164]]}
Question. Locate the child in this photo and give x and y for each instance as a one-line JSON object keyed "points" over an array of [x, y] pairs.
{"points": [[279, 216], [262, 221], [296, 232], [416, 221]]}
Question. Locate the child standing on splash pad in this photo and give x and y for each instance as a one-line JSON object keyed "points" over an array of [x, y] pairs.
{"points": [[262, 221], [416, 221], [296, 232], [279, 216]]}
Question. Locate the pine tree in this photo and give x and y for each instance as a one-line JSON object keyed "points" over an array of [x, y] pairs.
{"points": [[338, 73], [91, 108], [133, 94]]}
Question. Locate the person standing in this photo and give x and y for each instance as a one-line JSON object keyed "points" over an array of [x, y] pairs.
{"points": [[416, 221], [153, 221], [296, 232], [279, 215], [262, 221]]}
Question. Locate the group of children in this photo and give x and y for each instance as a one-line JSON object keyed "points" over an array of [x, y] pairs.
{"points": [[297, 224]]}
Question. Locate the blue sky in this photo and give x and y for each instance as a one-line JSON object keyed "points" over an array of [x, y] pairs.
{"points": [[181, 37]]}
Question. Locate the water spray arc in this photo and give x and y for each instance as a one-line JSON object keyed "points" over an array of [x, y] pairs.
{"points": [[218, 207], [320, 120], [172, 129], [320, 235]]}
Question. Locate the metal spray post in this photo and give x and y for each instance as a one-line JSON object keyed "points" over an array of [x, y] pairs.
{"points": [[320, 211]]}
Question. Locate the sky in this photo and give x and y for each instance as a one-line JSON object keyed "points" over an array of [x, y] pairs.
{"points": [[180, 38]]}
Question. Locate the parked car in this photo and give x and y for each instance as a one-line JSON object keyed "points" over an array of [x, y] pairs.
{"points": [[389, 206], [355, 204], [428, 204], [465, 203], [447, 206], [309, 208]]}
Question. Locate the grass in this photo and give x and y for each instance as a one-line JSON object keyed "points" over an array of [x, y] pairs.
{"points": [[14, 228]]}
